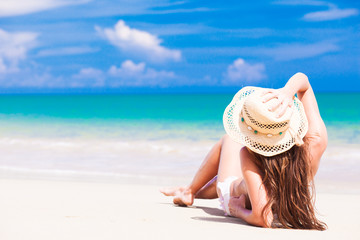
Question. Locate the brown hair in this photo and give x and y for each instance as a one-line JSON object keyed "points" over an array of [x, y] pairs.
{"points": [[288, 182]]}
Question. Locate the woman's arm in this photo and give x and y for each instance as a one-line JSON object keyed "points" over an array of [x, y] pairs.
{"points": [[256, 192], [316, 135]]}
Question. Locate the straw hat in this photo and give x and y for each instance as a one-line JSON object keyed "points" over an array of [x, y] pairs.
{"points": [[248, 121]]}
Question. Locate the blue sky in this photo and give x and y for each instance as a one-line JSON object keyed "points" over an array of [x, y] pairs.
{"points": [[145, 45]]}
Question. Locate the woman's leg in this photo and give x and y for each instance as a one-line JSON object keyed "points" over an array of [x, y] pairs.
{"points": [[204, 182], [201, 185], [230, 165], [229, 174]]}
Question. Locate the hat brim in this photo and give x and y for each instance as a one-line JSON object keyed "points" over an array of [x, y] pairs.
{"points": [[259, 142]]}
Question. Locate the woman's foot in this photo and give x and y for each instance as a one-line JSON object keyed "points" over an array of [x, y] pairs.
{"points": [[182, 195]]}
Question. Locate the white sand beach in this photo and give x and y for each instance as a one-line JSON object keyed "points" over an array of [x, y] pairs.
{"points": [[48, 209]]}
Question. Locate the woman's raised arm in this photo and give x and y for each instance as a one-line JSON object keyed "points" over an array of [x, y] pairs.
{"points": [[316, 135]]}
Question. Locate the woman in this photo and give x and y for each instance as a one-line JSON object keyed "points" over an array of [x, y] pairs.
{"points": [[262, 170]]}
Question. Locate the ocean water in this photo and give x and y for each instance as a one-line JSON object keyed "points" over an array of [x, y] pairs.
{"points": [[144, 136]]}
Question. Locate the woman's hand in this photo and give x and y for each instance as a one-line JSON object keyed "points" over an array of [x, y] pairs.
{"points": [[237, 207], [284, 98]]}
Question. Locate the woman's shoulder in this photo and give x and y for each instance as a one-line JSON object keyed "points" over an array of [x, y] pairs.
{"points": [[248, 160]]}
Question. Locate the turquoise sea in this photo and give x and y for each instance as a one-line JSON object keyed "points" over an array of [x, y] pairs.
{"points": [[142, 135], [191, 116]]}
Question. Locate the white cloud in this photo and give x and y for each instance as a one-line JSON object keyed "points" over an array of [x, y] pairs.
{"points": [[132, 74], [21, 7], [177, 29], [128, 74], [301, 2], [332, 13], [208, 80], [138, 42], [66, 51], [28, 77], [181, 10], [37, 80], [294, 51], [240, 71], [89, 73], [13, 49], [88, 77], [278, 52]]}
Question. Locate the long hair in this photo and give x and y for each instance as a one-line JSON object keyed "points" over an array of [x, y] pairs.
{"points": [[288, 182]]}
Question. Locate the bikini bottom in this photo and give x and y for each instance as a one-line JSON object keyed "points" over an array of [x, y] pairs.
{"points": [[224, 197]]}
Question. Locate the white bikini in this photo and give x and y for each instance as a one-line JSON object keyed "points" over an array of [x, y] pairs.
{"points": [[224, 189]]}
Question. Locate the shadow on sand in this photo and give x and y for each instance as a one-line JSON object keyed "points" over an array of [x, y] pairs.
{"points": [[215, 215]]}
